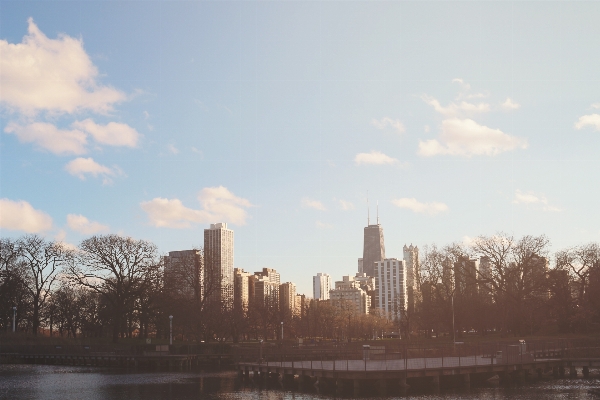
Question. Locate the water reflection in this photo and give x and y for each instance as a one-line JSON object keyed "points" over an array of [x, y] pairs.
{"points": [[20, 382]]}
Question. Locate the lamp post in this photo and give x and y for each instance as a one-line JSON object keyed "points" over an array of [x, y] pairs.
{"points": [[14, 317], [282, 330], [170, 329]]}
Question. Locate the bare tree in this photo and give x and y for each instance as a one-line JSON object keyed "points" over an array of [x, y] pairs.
{"points": [[12, 282], [43, 260], [118, 268]]}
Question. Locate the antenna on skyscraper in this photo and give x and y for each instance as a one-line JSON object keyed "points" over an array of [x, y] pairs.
{"points": [[377, 212], [368, 210]]}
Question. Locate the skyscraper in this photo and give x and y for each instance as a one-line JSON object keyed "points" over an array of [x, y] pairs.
{"points": [[321, 286], [373, 249], [218, 264]]}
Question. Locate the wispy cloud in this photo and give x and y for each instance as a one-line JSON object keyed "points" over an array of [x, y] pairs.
{"points": [[46, 136], [387, 122], [111, 134], [509, 105], [416, 206], [465, 137], [81, 224], [533, 198], [456, 109], [81, 167], [374, 158], [21, 216], [309, 203], [592, 120], [172, 149], [346, 205], [218, 204]]}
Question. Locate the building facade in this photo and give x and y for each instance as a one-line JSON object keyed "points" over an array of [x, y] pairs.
{"points": [[348, 296], [241, 289], [287, 298], [411, 258], [184, 273], [321, 286], [218, 263], [373, 248], [390, 282]]}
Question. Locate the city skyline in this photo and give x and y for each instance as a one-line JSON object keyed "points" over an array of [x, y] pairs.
{"points": [[155, 120]]}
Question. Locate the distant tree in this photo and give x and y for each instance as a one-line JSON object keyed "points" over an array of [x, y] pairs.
{"points": [[118, 268], [13, 278], [43, 261]]}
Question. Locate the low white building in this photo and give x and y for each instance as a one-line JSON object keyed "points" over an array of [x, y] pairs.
{"points": [[321, 286]]}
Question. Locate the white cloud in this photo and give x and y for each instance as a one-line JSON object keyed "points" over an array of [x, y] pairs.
{"points": [[81, 224], [510, 105], [456, 109], [418, 207], [596, 105], [21, 216], [388, 122], [374, 158], [465, 137], [172, 149], [218, 204], [591, 119], [112, 134], [48, 137], [322, 225], [346, 205], [80, 167], [532, 198], [55, 75], [308, 203]]}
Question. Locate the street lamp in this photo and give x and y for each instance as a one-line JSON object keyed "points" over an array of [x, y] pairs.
{"points": [[281, 330], [14, 317], [170, 329]]}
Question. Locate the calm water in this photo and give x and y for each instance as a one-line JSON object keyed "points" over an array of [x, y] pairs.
{"points": [[19, 382]]}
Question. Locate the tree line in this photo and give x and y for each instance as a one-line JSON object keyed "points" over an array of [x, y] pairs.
{"points": [[114, 286]]}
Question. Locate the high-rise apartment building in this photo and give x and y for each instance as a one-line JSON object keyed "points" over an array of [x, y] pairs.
{"points": [[373, 248], [390, 281], [218, 263], [287, 298], [184, 273], [348, 296], [321, 286], [411, 258], [241, 289]]}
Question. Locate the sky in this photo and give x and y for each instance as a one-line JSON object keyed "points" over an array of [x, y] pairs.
{"points": [[282, 119]]}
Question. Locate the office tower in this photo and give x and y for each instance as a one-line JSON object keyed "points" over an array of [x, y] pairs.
{"points": [[373, 248], [218, 263], [348, 296], [411, 257], [321, 286], [287, 298], [390, 275], [485, 275], [241, 294], [184, 273], [360, 266]]}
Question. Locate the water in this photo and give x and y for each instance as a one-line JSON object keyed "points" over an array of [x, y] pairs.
{"points": [[32, 382]]}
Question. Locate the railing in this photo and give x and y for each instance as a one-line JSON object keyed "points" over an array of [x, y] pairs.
{"points": [[400, 356]]}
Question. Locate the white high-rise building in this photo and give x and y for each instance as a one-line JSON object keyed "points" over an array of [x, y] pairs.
{"points": [[218, 264], [321, 286], [390, 283]]}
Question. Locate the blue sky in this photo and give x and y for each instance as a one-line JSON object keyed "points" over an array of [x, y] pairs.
{"points": [[154, 119]]}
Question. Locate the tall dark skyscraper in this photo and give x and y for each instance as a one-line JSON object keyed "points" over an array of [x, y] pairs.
{"points": [[373, 249]]}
